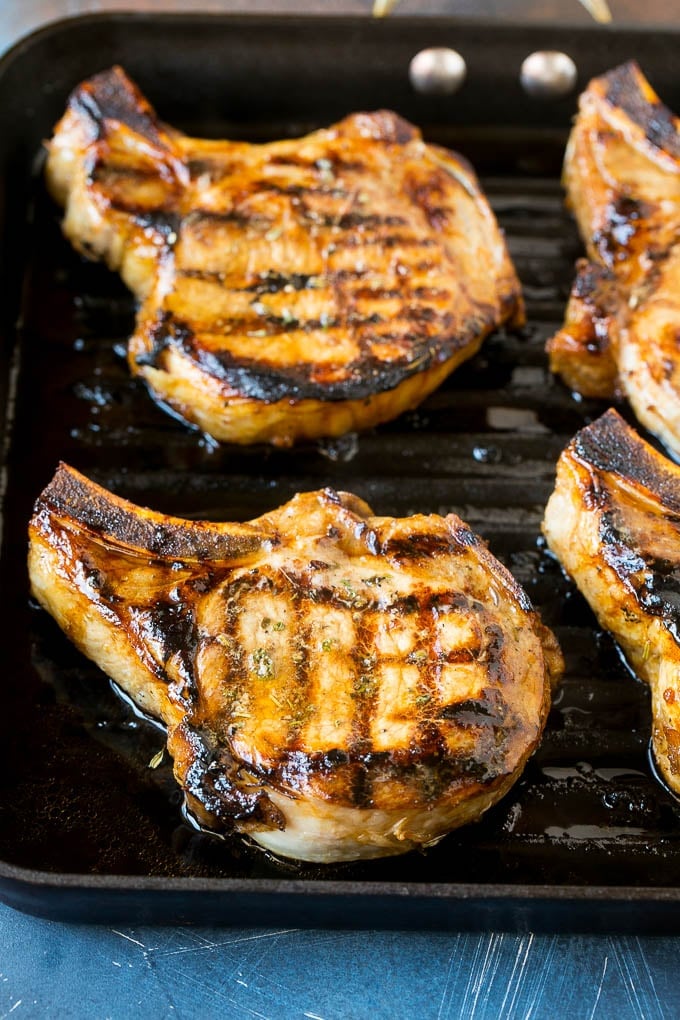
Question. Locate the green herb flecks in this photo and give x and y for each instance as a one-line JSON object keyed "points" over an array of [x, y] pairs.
{"points": [[268, 624], [262, 664]]}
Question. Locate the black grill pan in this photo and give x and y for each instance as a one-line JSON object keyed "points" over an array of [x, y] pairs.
{"points": [[588, 839]]}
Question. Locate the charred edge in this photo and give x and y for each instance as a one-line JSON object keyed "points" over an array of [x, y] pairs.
{"points": [[72, 497], [654, 582], [610, 445], [429, 768], [423, 546], [214, 781], [361, 379], [112, 96], [173, 628], [165, 331], [622, 90]]}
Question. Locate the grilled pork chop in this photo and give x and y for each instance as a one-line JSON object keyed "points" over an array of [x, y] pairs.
{"points": [[301, 288], [335, 684], [613, 521], [622, 173]]}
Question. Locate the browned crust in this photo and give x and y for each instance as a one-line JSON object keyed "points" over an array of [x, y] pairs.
{"points": [[623, 143], [358, 378], [111, 96], [87, 565], [613, 520], [625, 88], [583, 352], [609, 444], [108, 518]]}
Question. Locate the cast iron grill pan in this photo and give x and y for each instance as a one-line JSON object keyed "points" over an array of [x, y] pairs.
{"points": [[78, 795]]}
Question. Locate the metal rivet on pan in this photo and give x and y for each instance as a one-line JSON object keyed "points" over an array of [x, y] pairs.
{"points": [[548, 74], [437, 71]]}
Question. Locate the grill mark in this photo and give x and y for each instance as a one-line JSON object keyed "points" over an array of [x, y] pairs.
{"points": [[364, 694], [379, 293], [391, 241], [199, 216], [363, 377], [158, 216], [276, 325], [302, 665], [101, 170], [273, 281], [420, 546], [335, 161], [237, 673], [429, 675], [355, 220], [270, 282]]}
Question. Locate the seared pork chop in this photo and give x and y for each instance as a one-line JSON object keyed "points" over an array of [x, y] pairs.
{"points": [[302, 288], [622, 173], [613, 521], [336, 685]]}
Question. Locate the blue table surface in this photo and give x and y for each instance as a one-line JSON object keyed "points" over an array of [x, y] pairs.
{"points": [[50, 969]]}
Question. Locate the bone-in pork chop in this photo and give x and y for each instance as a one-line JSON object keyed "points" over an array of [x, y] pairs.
{"points": [[297, 289], [335, 684], [622, 173], [614, 523]]}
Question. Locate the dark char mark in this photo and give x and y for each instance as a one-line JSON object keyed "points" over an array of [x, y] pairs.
{"points": [[74, 497], [610, 445], [214, 780], [111, 96], [173, 627], [361, 379], [655, 119]]}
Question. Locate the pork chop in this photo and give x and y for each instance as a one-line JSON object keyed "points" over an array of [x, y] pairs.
{"points": [[334, 684], [622, 174], [298, 289], [613, 521]]}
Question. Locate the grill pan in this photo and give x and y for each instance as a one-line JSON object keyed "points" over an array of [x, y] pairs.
{"points": [[588, 839]]}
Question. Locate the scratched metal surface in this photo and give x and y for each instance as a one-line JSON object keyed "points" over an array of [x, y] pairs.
{"points": [[49, 969]]}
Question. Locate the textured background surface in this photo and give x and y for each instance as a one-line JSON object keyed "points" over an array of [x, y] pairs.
{"points": [[55, 970]]}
